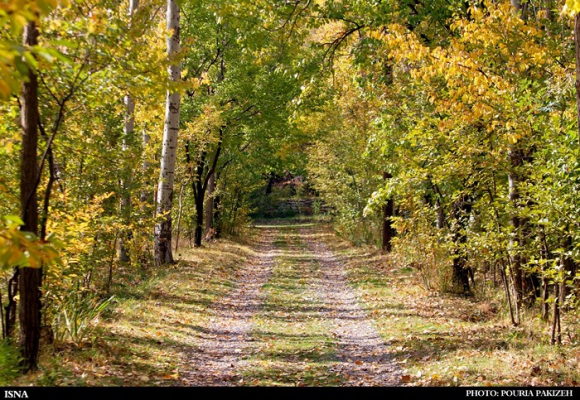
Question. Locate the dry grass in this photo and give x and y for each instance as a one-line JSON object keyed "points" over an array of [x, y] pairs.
{"points": [[143, 339]]}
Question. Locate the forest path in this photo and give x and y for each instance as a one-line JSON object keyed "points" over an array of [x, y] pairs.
{"points": [[292, 319]]}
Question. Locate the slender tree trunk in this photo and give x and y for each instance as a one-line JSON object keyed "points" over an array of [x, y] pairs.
{"points": [[179, 214], [129, 126], [569, 266], [128, 129], [163, 253], [217, 217], [200, 186], [460, 212], [545, 254], [577, 47], [388, 213], [209, 207], [515, 241], [11, 306], [199, 195], [209, 204], [144, 195], [30, 278], [556, 328], [506, 285]]}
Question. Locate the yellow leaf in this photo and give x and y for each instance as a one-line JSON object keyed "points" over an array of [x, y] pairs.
{"points": [[204, 78]]}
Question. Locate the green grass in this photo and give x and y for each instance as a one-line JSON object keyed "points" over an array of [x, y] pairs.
{"points": [[9, 359], [296, 348]]}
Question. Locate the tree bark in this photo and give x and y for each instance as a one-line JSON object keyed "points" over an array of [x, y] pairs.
{"points": [[577, 47], [144, 195], [209, 204], [516, 264], [217, 217], [163, 254], [388, 212], [200, 185], [179, 214], [30, 279], [128, 128], [198, 218], [460, 212]]}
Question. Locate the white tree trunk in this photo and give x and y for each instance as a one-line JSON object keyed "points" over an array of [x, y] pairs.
{"points": [[163, 253], [145, 195]]}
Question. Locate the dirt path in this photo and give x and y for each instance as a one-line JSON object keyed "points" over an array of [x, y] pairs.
{"points": [[231, 348], [220, 345], [363, 359]]}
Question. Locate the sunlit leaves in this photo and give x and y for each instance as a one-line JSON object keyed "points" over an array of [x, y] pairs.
{"points": [[24, 249]]}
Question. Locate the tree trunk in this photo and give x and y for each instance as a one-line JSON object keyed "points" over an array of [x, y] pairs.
{"points": [[30, 279], [123, 254], [217, 217], [209, 204], [179, 214], [460, 212], [545, 255], [388, 212], [144, 195], [515, 241], [128, 128], [163, 253], [577, 47], [556, 337], [198, 217], [10, 314], [526, 284], [569, 267]]}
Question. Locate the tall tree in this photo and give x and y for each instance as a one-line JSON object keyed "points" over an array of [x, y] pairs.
{"points": [[128, 128], [30, 278], [163, 253]]}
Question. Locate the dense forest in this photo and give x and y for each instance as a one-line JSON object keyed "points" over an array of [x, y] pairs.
{"points": [[443, 133]]}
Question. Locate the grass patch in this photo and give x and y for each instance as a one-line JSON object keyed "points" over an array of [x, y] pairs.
{"points": [[9, 359]]}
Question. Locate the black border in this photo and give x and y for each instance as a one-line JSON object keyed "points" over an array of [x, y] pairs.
{"points": [[234, 393]]}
